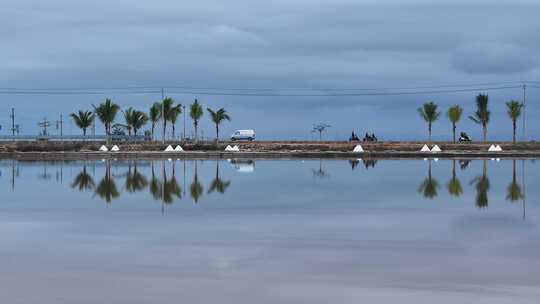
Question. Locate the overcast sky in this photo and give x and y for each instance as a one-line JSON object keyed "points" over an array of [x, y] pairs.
{"points": [[276, 45]]}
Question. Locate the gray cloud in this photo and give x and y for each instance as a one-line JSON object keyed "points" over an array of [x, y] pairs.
{"points": [[278, 44]]}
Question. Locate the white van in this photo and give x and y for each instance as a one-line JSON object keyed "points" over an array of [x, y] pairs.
{"points": [[243, 135]]}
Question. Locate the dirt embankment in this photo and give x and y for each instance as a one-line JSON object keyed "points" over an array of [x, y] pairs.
{"points": [[262, 146]]}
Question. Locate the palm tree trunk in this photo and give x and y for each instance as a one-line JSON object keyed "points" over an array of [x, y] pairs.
{"points": [[484, 127], [173, 131], [164, 129], [454, 131], [195, 124], [514, 131], [153, 126], [217, 133], [429, 131]]}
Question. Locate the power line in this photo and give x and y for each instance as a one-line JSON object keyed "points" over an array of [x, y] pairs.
{"points": [[222, 93]]}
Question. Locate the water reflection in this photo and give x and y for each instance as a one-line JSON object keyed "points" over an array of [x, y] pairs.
{"points": [[429, 187], [454, 185], [106, 189], [482, 187], [513, 191], [83, 181], [217, 183], [162, 181], [135, 181]]}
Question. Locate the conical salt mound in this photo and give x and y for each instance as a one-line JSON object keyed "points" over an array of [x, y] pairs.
{"points": [[358, 148], [178, 149], [103, 149], [115, 148], [235, 148], [228, 148], [169, 149], [499, 149], [492, 148], [425, 148], [436, 149]]}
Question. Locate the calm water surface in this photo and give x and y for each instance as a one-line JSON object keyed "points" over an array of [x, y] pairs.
{"points": [[270, 231]]}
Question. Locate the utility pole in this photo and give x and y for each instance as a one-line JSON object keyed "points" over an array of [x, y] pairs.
{"points": [[184, 132], [44, 124], [524, 109], [12, 116], [59, 124]]}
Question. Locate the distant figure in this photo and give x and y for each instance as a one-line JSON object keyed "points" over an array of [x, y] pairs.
{"points": [[464, 137], [354, 137]]}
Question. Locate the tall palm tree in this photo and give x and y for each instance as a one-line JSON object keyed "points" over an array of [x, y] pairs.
{"points": [[513, 108], [454, 115], [83, 120], [429, 113], [195, 112], [106, 112], [513, 192], [168, 109], [155, 115], [217, 117], [134, 120], [482, 114], [173, 116], [454, 185]]}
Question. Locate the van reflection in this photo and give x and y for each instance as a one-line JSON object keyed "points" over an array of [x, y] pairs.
{"points": [[243, 165]]}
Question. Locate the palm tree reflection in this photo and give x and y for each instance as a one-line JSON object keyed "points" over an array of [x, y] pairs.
{"points": [[429, 187], [454, 185], [482, 187], [135, 181], [217, 183], [513, 191], [106, 188], [83, 181], [196, 189]]}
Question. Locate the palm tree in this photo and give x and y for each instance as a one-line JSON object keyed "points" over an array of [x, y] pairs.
{"points": [[217, 117], [482, 114], [429, 187], [83, 120], [173, 116], [454, 185], [106, 112], [134, 120], [168, 110], [155, 115], [513, 108], [454, 115], [196, 112], [320, 128], [429, 113]]}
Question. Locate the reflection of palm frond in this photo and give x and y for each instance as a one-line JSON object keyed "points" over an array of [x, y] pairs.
{"points": [[454, 187], [171, 189], [107, 190], [83, 181], [482, 188], [428, 188], [219, 185], [135, 181], [513, 192]]}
